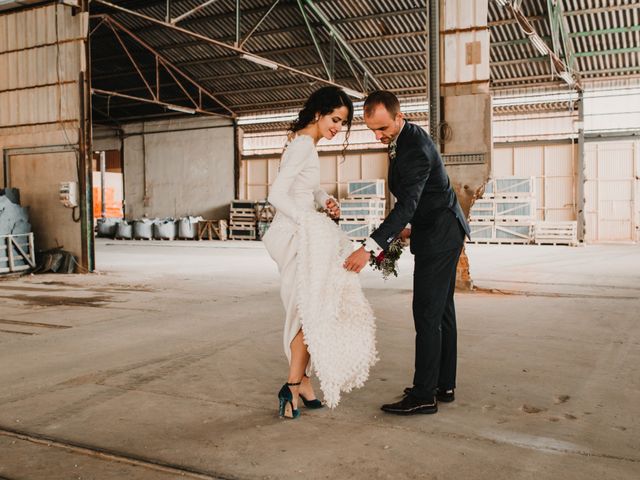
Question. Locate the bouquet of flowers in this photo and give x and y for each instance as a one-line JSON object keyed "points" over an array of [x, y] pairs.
{"points": [[387, 262]]}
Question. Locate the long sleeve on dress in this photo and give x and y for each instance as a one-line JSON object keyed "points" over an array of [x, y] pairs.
{"points": [[321, 197], [293, 161]]}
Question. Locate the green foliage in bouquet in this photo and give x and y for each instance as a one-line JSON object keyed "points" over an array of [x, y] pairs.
{"points": [[387, 262]]}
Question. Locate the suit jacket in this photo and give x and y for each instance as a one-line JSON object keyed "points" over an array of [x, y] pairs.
{"points": [[425, 198]]}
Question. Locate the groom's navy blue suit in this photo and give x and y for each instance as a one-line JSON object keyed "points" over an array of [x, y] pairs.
{"points": [[425, 198]]}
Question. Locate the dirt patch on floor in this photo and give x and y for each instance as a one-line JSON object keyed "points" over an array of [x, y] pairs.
{"points": [[61, 301], [25, 289], [109, 287]]}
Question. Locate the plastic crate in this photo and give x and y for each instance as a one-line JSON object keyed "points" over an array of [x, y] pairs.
{"points": [[366, 188]]}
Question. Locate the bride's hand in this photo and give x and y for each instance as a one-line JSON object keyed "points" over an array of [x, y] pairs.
{"points": [[333, 208]]}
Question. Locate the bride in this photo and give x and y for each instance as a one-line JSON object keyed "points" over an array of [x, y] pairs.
{"points": [[329, 326]]}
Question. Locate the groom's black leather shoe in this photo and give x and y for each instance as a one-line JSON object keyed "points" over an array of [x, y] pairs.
{"points": [[446, 396], [411, 405]]}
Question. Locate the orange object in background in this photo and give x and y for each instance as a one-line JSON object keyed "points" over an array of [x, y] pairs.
{"points": [[113, 208]]}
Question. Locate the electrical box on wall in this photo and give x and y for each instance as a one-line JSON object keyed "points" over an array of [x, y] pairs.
{"points": [[69, 194]]}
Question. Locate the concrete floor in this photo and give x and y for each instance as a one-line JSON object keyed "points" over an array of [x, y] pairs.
{"points": [[166, 365]]}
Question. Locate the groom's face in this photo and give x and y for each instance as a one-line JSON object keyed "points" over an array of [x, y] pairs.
{"points": [[385, 126]]}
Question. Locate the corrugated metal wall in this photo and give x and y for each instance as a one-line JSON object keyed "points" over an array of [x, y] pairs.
{"points": [[41, 56], [612, 174], [42, 52]]}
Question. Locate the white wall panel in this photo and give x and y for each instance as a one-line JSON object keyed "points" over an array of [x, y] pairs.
{"points": [[502, 162], [528, 161], [611, 191], [335, 172], [610, 110], [189, 168], [472, 16], [552, 167]]}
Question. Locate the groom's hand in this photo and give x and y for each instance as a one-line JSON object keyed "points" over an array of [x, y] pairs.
{"points": [[357, 260], [333, 208]]}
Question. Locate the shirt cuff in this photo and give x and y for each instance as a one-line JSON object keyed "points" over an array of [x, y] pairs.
{"points": [[372, 246]]}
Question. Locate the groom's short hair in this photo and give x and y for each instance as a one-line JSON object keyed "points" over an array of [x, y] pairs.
{"points": [[381, 97]]}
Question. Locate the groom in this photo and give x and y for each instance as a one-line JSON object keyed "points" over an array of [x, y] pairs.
{"points": [[427, 211]]}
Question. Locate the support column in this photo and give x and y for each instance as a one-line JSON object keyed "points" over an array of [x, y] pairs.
{"points": [[433, 67], [580, 180], [465, 133]]}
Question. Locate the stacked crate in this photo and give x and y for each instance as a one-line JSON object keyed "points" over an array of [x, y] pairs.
{"points": [[556, 233], [264, 213], [242, 220], [364, 208], [506, 212]]}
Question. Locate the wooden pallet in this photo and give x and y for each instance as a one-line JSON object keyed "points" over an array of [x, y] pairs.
{"points": [[242, 204], [236, 218], [17, 253], [212, 229], [242, 211], [243, 232], [243, 224], [556, 233]]}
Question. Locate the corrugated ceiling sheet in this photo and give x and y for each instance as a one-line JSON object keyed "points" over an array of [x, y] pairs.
{"points": [[389, 36]]}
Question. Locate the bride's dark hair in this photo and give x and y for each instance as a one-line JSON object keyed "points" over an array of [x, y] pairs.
{"points": [[322, 102]]}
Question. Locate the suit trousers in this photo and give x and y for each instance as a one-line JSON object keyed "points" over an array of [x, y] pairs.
{"points": [[434, 315]]}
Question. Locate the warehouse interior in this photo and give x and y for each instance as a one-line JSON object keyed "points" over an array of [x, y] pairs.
{"points": [[140, 320]]}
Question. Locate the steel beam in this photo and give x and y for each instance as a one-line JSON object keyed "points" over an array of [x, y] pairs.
{"points": [[288, 7], [314, 39], [108, 93], [248, 35], [342, 43], [133, 62], [211, 41], [168, 64], [193, 43], [559, 67], [560, 35], [191, 12], [237, 42]]}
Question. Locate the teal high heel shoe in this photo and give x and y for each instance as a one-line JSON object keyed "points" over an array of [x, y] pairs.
{"points": [[313, 404], [285, 399]]}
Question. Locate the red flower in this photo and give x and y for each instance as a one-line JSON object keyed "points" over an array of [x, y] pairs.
{"points": [[380, 257]]}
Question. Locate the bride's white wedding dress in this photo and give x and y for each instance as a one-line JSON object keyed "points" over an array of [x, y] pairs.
{"points": [[318, 294]]}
